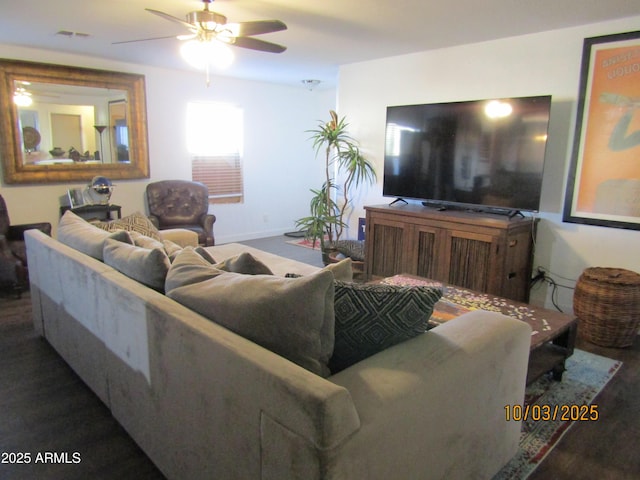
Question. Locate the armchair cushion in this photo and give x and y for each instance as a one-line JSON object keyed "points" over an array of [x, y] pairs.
{"points": [[181, 204]]}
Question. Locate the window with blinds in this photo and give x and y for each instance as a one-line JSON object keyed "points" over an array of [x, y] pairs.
{"points": [[214, 141]]}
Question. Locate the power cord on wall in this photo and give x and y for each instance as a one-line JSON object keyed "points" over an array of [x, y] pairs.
{"points": [[544, 275]]}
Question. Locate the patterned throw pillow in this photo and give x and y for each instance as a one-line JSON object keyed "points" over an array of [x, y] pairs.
{"points": [[373, 317], [136, 222]]}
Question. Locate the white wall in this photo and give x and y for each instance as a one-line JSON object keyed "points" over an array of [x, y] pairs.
{"points": [[540, 64], [279, 164]]}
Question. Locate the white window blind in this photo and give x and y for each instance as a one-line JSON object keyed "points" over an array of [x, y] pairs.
{"points": [[214, 141]]}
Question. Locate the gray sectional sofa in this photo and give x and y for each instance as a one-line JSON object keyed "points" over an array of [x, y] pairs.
{"points": [[206, 403]]}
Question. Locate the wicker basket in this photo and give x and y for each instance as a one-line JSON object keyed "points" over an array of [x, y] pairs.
{"points": [[607, 304]]}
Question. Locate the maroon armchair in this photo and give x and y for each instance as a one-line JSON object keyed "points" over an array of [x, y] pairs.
{"points": [[13, 252], [181, 204]]}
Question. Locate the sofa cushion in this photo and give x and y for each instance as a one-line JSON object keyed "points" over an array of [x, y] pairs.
{"points": [[81, 235], [171, 248], [244, 263], [147, 266], [136, 222], [204, 253], [342, 270], [372, 317], [292, 317]]}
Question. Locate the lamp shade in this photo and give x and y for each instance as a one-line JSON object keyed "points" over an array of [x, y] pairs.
{"points": [[202, 54]]}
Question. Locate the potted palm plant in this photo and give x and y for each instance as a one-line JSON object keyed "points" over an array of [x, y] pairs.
{"points": [[345, 170]]}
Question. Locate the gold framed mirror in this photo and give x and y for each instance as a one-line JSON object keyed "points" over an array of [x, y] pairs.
{"points": [[64, 124]]}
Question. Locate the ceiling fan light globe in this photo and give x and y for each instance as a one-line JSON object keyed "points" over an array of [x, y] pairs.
{"points": [[22, 99], [203, 54]]}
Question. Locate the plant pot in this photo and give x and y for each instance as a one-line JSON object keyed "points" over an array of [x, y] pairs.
{"points": [[329, 255]]}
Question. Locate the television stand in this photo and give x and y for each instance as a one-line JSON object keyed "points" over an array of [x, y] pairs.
{"points": [[404, 202], [480, 251], [505, 211]]}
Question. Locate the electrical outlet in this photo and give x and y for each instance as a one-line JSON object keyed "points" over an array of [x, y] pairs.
{"points": [[540, 275]]}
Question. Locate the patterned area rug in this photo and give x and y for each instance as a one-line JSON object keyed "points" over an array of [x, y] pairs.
{"points": [[305, 242], [587, 374]]}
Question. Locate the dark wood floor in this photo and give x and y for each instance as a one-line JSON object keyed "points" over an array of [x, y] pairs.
{"points": [[45, 407], [606, 449]]}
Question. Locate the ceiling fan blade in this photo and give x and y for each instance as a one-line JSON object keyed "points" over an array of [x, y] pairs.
{"points": [[171, 18], [143, 40], [256, 44], [258, 27]]}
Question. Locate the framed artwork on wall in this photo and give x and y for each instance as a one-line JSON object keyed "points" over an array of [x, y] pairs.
{"points": [[603, 187]]}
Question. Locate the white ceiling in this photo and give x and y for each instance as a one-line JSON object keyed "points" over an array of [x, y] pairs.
{"points": [[321, 35]]}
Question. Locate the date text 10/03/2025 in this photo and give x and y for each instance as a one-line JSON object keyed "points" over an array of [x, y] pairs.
{"points": [[545, 413], [40, 457]]}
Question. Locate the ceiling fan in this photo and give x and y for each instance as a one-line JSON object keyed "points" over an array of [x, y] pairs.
{"points": [[206, 25]]}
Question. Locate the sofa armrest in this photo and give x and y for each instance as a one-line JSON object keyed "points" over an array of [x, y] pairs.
{"points": [[207, 221], [441, 393]]}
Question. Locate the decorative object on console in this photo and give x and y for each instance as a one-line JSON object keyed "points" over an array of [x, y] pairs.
{"points": [[57, 152], [603, 187], [100, 190], [181, 204], [76, 197], [330, 203]]}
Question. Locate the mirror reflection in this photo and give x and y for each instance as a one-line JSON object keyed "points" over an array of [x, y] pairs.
{"points": [[61, 124], [65, 124]]}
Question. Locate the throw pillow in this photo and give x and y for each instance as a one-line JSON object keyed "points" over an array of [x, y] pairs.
{"points": [[81, 235], [171, 248], [292, 317], [147, 266], [244, 263], [342, 270], [372, 317], [136, 222], [140, 240], [187, 268]]}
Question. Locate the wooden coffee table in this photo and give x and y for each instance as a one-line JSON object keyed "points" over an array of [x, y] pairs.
{"points": [[553, 333]]}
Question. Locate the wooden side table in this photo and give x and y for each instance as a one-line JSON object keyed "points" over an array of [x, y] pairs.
{"points": [[96, 211]]}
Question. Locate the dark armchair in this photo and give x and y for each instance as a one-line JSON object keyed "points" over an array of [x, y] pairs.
{"points": [[181, 204], [13, 252]]}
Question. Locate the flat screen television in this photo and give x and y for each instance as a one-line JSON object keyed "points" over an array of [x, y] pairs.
{"points": [[481, 154]]}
